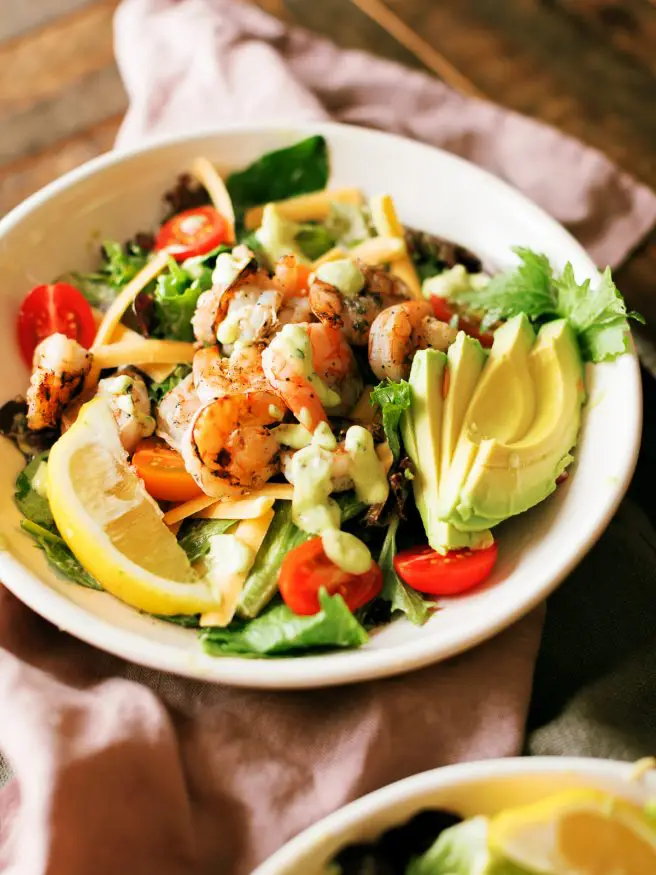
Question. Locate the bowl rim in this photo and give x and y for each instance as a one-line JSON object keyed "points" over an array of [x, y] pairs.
{"points": [[417, 787], [345, 666]]}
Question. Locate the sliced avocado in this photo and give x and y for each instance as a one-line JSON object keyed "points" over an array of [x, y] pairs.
{"points": [[277, 235], [465, 361], [422, 429], [508, 477], [502, 407]]}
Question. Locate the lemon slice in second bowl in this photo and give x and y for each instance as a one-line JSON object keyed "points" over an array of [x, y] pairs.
{"points": [[576, 832], [113, 526]]}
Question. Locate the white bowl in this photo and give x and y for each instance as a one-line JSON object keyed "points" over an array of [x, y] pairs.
{"points": [[467, 789], [59, 229]]}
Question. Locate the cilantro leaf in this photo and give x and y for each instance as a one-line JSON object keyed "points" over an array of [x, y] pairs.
{"points": [[393, 399], [598, 317], [526, 288]]}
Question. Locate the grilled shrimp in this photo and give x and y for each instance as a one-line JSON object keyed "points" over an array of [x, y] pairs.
{"points": [[227, 448], [60, 366], [175, 412], [311, 367], [244, 310], [398, 332], [128, 399], [216, 375], [355, 314]]}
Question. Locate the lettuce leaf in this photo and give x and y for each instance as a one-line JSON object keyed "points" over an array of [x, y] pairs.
{"points": [[59, 555], [400, 596], [175, 297], [33, 506], [313, 240], [280, 632], [119, 265], [285, 173], [194, 536], [393, 399], [462, 850]]}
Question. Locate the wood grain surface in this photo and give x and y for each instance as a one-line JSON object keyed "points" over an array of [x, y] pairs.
{"points": [[587, 66]]}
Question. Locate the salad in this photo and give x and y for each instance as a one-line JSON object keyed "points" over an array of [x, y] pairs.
{"points": [[284, 418], [574, 832]]}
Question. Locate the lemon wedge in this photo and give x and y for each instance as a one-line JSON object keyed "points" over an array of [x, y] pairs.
{"points": [[578, 832], [113, 526]]}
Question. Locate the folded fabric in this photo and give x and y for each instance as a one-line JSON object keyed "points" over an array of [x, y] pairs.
{"points": [[122, 769]]}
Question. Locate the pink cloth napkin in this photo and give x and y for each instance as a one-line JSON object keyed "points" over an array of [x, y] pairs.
{"points": [[122, 769]]}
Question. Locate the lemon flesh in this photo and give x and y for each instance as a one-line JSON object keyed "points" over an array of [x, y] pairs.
{"points": [[113, 526], [581, 832]]}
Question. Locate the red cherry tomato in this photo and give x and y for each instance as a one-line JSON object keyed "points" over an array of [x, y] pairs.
{"points": [[425, 570], [445, 313], [53, 309], [192, 232], [306, 569]]}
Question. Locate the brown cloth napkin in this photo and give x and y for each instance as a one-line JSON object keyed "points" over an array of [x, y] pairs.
{"points": [[122, 769]]}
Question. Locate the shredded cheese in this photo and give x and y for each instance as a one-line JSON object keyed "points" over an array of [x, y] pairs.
{"points": [[207, 174], [250, 532], [379, 250], [386, 222], [313, 207], [364, 411], [140, 351], [243, 509], [277, 491], [334, 254]]}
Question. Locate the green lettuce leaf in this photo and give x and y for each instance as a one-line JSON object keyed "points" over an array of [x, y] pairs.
{"points": [[119, 265], [400, 596], [313, 240], [33, 506], [393, 399], [194, 536], [525, 289], [280, 632], [59, 555], [176, 295], [157, 391], [295, 170], [462, 850]]}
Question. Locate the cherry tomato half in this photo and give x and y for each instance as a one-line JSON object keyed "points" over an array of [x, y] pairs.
{"points": [[163, 472], [57, 308], [306, 569], [444, 311], [192, 232], [425, 570]]}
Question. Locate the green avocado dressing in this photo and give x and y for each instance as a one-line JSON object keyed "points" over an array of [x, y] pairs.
{"points": [[344, 275], [314, 511]]}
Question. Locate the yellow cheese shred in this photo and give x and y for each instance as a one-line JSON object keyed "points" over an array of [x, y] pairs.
{"points": [[277, 491], [250, 532], [313, 207], [386, 222], [141, 351], [207, 174]]}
